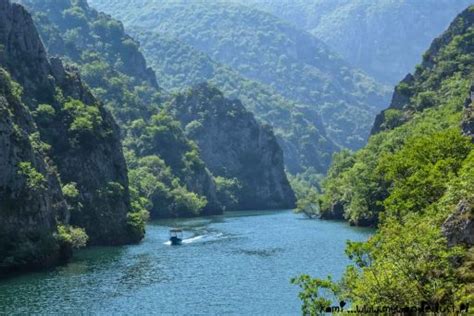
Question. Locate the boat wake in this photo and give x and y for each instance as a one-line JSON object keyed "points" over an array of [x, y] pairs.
{"points": [[200, 238]]}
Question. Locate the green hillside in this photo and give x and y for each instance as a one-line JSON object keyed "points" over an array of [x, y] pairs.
{"points": [[263, 48], [414, 178]]}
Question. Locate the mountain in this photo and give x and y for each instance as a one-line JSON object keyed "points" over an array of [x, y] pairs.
{"points": [[263, 48], [414, 180], [111, 64], [64, 173], [385, 38], [234, 146], [299, 130], [167, 173]]}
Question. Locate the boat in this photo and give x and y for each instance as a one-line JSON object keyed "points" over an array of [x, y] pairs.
{"points": [[176, 236]]}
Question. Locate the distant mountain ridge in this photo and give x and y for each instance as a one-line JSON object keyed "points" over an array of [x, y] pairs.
{"points": [[385, 38], [186, 66], [263, 48]]}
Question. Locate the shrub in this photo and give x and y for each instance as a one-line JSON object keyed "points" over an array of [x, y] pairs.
{"points": [[44, 113], [85, 120], [72, 237], [136, 222], [34, 180]]}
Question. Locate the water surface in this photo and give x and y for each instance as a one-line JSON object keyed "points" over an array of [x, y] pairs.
{"points": [[238, 263]]}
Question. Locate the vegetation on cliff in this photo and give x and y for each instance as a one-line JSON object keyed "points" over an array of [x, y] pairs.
{"points": [[240, 45], [414, 175]]}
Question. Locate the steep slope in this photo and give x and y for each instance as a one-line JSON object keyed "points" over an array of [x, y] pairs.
{"points": [[30, 194], [429, 101], [263, 48], [80, 136], [299, 130], [167, 173], [385, 38], [235, 146], [108, 59], [414, 178], [111, 64]]}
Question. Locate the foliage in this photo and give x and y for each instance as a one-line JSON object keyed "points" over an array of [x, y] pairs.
{"points": [[44, 114], [227, 191], [72, 196], [35, 180], [186, 201], [309, 204], [419, 173], [110, 62], [278, 71], [84, 119], [345, 25], [409, 178], [72, 237], [70, 190], [136, 222], [314, 293], [161, 192]]}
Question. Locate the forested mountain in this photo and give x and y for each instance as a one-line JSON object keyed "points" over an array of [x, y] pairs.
{"points": [[385, 38], [263, 48], [111, 64], [61, 156], [415, 179], [299, 130], [166, 169]]}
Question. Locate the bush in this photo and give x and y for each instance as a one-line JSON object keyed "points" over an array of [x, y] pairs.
{"points": [[72, 237], [85, 121], [392, 118], [186, 202], [136, 222], [44, 114], [35, 181], [227, 192]]}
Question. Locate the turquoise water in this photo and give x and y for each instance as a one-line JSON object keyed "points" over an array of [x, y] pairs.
{"points": [[239, 263]]}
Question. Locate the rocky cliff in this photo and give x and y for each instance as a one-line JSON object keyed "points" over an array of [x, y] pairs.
{"points": [[467, 123], [80, 136], [234, 146], [30, 194]]}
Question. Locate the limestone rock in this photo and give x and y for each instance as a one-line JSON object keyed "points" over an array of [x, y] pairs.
{"points": [[234, 145]]}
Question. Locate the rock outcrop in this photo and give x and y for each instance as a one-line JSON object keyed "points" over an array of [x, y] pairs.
{"points": [[82, 138], [30, 195], [467, 123], [459, 226], [234, 146]]}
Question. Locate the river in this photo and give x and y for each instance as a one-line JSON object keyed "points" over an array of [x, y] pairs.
{"points": [[238, 263]]}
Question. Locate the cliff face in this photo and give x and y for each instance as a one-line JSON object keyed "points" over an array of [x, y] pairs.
{"points": [[111, 64], [30, 194], [82, 137], [92, 158], [234, 146]]}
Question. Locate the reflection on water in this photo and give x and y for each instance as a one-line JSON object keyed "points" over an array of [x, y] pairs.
{"points": [[239, 263]]}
